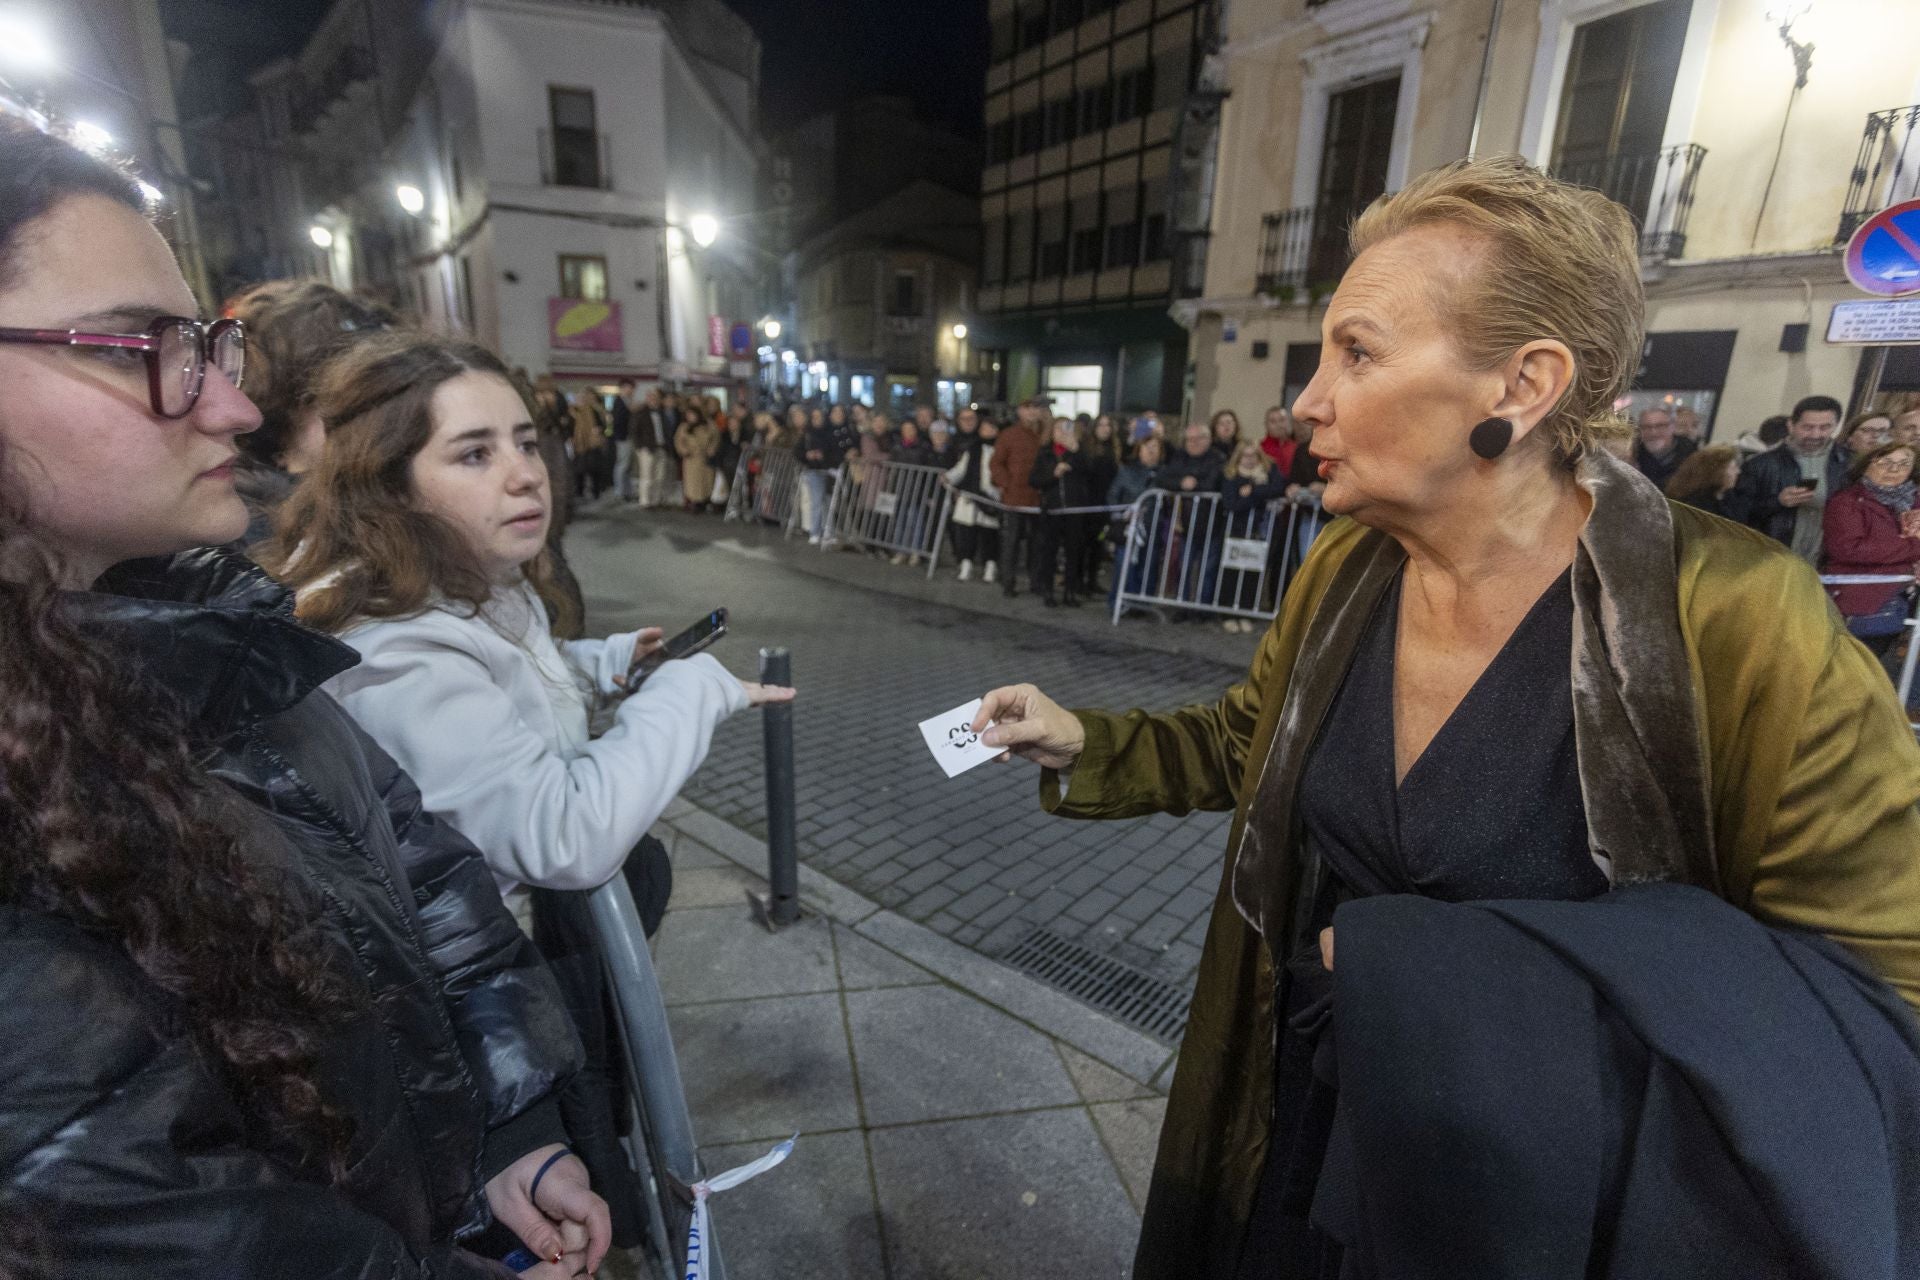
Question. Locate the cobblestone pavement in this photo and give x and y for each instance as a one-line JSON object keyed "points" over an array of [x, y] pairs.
{"points": [[973, 858]]}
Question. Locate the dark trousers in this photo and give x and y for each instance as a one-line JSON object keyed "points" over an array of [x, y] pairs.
{"points": [[1016, 535], [973, 542], [1059, 536]]}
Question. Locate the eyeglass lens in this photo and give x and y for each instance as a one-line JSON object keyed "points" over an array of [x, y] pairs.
{"points": [[181, 369]]}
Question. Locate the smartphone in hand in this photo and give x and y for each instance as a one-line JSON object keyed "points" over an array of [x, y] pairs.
{"points": [[685, 645]]}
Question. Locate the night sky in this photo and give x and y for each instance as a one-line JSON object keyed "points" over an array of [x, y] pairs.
{"points": [[816, 54]]}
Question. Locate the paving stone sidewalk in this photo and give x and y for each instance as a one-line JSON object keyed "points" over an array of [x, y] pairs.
{"points": [[973, 858], [956, 1120]]}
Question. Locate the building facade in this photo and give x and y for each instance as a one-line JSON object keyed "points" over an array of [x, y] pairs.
{"points": [[571, 182], [1747, 147], [1083, 178], [880, 305]]}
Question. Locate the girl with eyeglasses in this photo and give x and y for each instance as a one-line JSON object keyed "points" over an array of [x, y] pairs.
{"points": [[260, 1014]]}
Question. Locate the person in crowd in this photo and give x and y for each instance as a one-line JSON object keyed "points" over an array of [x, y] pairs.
{"points": [[940, 441], [696, 443], [1278, 442], [1686, 423], [1873, 529], [620, 432], [1223, 432], [912, 448], [1658, 450], [1249, 486], [1141, 473], [726, 460], [1100, 445], [975, 526], [292, 327], [1196, 468], [1906, 427], [1063, 479], [1706, 478], [1404, 745], [262, 1014], [1769, 433], [821, 451], [590, 447], [421, 544], [1784, 491], [922, 420], [648, 438], [1867, 432], [1014, 453]]}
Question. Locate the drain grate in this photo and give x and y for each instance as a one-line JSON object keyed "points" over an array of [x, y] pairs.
{"points": [[1135, 998]]}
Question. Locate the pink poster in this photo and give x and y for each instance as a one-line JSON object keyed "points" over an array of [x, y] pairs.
{"points": [[716, 335], [575, 324]]}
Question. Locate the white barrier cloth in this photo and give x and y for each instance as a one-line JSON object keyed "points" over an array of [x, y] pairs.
{"points": [[697, 1232]]}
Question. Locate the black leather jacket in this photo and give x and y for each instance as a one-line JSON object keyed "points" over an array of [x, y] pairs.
{"points": [[1755, 500], [121, 1151]]}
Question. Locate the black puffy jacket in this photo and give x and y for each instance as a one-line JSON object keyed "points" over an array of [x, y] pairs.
{"points": [[122, 1154]]}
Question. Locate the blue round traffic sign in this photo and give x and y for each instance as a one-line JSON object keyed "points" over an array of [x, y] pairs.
{"points": [[1883, 256]]}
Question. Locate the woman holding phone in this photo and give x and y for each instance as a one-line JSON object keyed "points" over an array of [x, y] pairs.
{"points": [[420, 540]]}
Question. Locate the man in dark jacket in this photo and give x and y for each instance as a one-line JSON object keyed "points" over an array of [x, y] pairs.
{"points": [[1012, 470], [1783, 492], [1659, 450], [621, 434], [647, 432], [1196, 468], [125, 1147]]}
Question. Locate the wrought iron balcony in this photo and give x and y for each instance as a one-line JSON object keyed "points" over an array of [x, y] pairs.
{"points": [[1656, 187], [1886, 171], [574, 158], [1303, 250]]}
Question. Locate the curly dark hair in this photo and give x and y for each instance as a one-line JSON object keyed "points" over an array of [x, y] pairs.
{"points": [[107, 821]]}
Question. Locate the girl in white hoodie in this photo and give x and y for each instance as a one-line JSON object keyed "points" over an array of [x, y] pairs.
{"points": [[421, 541]]}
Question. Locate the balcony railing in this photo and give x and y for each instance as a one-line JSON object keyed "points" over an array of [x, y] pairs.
{"points": [[1303, 250], [1656, 187], [574, 158], [1887, 169]]}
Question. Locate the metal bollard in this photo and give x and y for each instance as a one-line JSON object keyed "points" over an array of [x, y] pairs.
{"points": [[782, 905]]}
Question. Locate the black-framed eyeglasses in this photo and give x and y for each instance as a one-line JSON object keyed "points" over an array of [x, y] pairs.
{"points": [[177, 351]]}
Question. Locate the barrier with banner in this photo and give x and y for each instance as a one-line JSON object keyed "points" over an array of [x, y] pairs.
{"points": [[890, 506], [1188, 551], [766, 488]]}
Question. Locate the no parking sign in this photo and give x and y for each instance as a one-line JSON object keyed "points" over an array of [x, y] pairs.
{"points": [[1883, 257]]}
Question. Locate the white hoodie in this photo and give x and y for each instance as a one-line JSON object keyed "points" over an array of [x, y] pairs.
{"points": [[490, 717]]}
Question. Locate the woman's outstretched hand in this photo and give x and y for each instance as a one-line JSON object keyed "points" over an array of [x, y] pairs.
{"points": [[759, 695], [1029, 724]]}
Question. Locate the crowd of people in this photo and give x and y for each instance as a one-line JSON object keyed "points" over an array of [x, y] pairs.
{"points": [[300, 795], [1841, 497]]}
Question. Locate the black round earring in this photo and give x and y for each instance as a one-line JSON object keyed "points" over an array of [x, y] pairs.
{"points": [[1491, 437]]}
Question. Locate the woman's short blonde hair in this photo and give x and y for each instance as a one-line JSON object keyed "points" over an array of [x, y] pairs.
{"points": [[1559, 261]]}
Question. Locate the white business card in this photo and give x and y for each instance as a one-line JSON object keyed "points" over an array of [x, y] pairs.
{"points": [[954, 743]]}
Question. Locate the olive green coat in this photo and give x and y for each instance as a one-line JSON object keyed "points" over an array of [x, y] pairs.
{"points": [[1730, 734]]}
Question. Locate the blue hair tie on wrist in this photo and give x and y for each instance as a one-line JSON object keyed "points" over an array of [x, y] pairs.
{"points": [[533, 1189]]}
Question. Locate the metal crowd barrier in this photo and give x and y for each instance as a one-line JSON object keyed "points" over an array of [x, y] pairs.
{"points": [[1904, 685], [663, 1148], [890, 506], [1183, 551], [766, 488]]}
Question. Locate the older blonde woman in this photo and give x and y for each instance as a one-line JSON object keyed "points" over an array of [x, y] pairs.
{"points": [[1510, 689]]}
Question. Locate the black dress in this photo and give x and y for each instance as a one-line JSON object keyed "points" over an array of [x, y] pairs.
{"points": [[1492, 809]]}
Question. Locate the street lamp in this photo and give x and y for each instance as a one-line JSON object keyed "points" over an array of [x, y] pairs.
{"points": [[320, 236], [410, 197], [959, 333], [24, 45], [91, 137], [705, 229], [772, 329]]}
